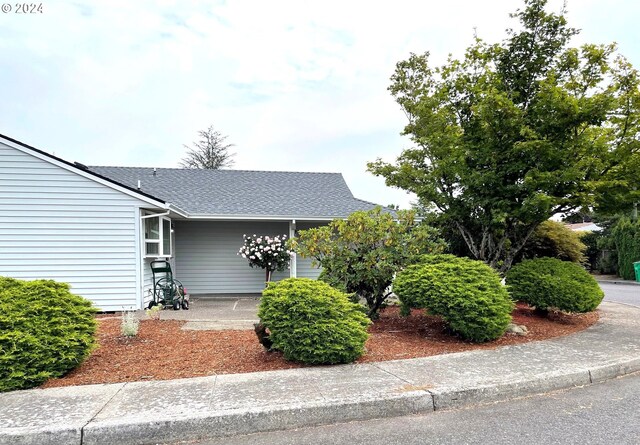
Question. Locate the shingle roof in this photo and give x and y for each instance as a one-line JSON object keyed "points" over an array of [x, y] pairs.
{"points": [[585, 226], [243, 192]]}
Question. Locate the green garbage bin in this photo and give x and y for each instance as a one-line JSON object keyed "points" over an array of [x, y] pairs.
{"points": [[636, 267]]}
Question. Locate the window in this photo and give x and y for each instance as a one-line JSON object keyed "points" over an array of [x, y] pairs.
{"points": [[157, 236]]}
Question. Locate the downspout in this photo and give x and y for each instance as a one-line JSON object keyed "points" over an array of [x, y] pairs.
{"points": [[293, 262]]}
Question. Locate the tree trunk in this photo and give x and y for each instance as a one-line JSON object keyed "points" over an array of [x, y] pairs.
{"points": [[268, 275], [542, 312], [375, 303], [493, 252], [506, 264]]}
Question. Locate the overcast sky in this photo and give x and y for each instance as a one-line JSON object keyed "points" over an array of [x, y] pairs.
{"points": [[296, 85]]}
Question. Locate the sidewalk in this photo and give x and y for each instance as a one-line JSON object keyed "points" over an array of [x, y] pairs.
{"points": [[170, 411]]}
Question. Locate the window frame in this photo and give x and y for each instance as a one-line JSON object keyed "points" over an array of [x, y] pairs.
{"points": [[161, 237]]}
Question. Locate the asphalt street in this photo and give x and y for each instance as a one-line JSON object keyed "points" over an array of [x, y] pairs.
{"points": [[621, 293], [605, 413]]}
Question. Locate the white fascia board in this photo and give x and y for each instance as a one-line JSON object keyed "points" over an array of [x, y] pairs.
{"points": [[204, 217], [85, 174], [176, 210]]}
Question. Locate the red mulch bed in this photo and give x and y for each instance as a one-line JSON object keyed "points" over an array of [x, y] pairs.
{"points": [[163, 351]]}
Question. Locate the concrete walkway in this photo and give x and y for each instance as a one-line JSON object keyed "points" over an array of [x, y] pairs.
{"points": [[169, 411], [217, 313]]}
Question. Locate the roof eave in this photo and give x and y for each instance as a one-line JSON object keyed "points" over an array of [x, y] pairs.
{"points": [[48, 157], [227, 217]]}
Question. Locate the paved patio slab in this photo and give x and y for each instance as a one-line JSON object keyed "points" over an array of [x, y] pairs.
{"points": [[215, 314]]}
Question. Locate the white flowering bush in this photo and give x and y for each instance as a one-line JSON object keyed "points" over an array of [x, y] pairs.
{"points": [[265, 252]]}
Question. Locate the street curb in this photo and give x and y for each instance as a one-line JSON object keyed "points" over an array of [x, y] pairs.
{"points": [[634, 283], [239, 422], [613, 370], [549, 381], [48, 436]]}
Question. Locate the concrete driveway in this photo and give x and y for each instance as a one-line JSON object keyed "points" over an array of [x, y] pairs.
{"points": [[218, 313]]}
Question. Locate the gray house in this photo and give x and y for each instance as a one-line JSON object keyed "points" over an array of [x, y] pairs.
{"points": [[98, 228]]}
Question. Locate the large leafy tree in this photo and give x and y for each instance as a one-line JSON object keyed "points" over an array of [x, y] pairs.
{"points": [[362, 253], [515, 132], [210, 152]]}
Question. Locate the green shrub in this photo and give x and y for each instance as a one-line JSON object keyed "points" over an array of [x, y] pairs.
{"points": [[556, 240], [593, 253], [311, 322], [45, 331], [626, 235], [607, 262], [466, 293], [551, 283], [362, 253]]}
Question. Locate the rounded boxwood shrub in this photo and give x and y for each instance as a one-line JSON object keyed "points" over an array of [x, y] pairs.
{"points": [[551, 283], [311, 322], [467, 294], [45, 331]]}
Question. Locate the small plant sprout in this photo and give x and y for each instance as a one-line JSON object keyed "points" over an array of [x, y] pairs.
{"points": [[129, 324], [154, 312]]}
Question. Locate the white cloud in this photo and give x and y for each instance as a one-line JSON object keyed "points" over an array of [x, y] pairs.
{"points": [[295, 85]]}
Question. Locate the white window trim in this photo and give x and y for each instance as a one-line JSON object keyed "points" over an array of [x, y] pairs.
{"points": [[159, 241]]}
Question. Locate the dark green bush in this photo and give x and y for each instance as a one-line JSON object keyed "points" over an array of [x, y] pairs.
{"points": [[466, 293], [626, 234], [45, 331], [551, 283], [311, 322], [607, 262], [593, 253]]}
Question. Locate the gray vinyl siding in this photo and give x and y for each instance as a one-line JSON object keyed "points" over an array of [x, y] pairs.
{"points": [[147, 281], [304, 267], [59, 225], [206, 256]]}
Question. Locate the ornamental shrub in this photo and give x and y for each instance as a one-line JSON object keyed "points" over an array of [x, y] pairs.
{"points": [[361, 254], [551, 283], [45, 331], [130, 324], [265, 252], [311, 322], [466, 293], [554, 239]]}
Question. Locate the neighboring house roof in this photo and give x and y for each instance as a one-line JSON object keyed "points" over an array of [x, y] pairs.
{"points": [[585, 227], [243, 193]]}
